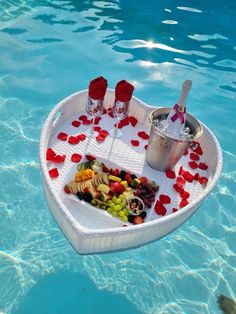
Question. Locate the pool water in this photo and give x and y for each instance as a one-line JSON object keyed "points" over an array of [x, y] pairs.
{"points": [[50, 49]]}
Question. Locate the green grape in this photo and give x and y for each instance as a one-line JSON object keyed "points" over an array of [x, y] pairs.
{"points": [[114, 213], [109, 202], [117, 208], [122, 213], [109, 209], [114, 198], [118, 201], [112, 204], [124, 218], [121, 197], [126, 210], [122, 204]]}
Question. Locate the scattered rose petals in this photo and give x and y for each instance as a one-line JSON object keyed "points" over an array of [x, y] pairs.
{"points": [[73, 140], [76, 123], [81, 137], [104, 111], [164, 199], [90, 157], [183, 203], [188, 176], [50, 154], [160, 208], [174, 210], [198, 150], [170, 174], [196, 176], [83, 117], [145, 147], [143, 135], [135, 142], [203, 166], [53, 173], [193, 164], [184, 195], [76, 157], [133, 121], [186, 152], [62, 136], [97, 128], [194, 156], [203, 180]]}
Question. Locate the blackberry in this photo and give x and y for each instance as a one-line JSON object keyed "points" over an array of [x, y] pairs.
{"points": [[80, 195], [122, 174], [131, 218], [88, 197], [143, 214]]}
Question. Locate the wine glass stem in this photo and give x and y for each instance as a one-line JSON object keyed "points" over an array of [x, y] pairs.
{"points": [[117, 124], [92, 124]]}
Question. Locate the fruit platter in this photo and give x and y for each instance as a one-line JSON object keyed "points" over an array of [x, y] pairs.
{"points": [[118, 192], [101, 191]]}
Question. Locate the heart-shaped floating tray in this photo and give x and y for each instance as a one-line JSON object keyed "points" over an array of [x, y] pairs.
{"points": [[91, 230]]}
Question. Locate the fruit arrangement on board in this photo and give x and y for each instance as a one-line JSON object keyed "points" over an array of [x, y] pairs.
{"points": [[119, 192]]}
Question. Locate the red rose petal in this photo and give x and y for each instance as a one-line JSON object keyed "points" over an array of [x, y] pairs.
{"points": [[53, 173], [170, 174], [133, 121], [100, 138], [143, 135], [180, 181], [203, 180], [103, 133], [50, 154], [90, 157], [81, 137], [73, 140], [58, 159], [188, 176], [104, 111], [184, 195], [174, 210], [193, 164], [76, 123], [164, 199], [97, 128], [183, 203], [160, 209], [145, 147], [62, 136], [83, 117], [196, 176], [97, 120], [178, 187], [203, 166], [76, 157], [135, 142], [86, 122], [181, 171], [198, 150], [186, 152], [194, 156]]}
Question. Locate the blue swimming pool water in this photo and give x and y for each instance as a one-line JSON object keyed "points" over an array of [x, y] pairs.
{"points": [[50, 49]]}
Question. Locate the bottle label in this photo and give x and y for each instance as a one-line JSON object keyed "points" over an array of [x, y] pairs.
{"points": [[179, 113]]}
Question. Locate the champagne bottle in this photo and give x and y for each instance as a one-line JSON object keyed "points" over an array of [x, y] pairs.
{"points": [[175, 121]]}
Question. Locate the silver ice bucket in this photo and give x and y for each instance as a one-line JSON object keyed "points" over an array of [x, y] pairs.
{"points": [[163, 151]]}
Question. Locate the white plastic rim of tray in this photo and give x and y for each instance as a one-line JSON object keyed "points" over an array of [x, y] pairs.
{"points": [[124, 155]]}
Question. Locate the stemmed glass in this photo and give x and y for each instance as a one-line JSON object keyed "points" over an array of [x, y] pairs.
{"points": [[95, 108], [120, 111]]}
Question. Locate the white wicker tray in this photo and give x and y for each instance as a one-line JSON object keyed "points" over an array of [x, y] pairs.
{"points": [[91, 230]]}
